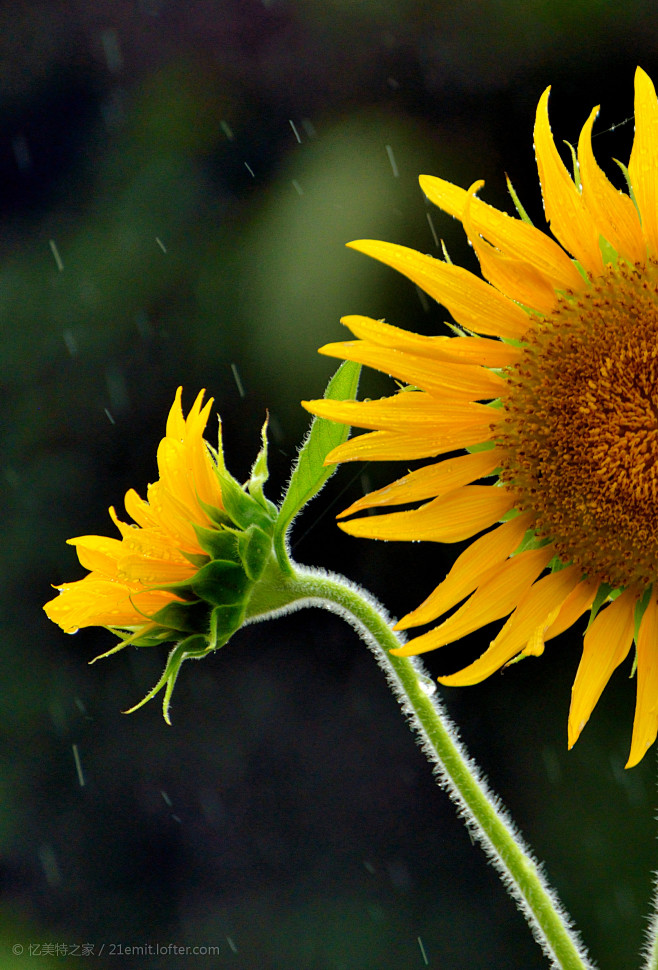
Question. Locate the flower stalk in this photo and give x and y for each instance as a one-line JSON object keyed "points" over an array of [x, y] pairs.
{"points": [[454, 769]]}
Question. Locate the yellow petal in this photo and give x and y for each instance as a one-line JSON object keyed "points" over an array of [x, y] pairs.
{"points": [[175, 520], [496, 597], [411, 410], [472, 302], [154, 572], [579, 600], [534, 613], [408, 445], [100, 602], [474, 566], [175, 427], [645, 724], [406, 434], [606, 644], [512, 237], [614, 213], [98, 553], [175, 476], [643, 164], [458, 350], [569, 219], [513, 277], [430, 481], [138, 510], [450, 518], [461, 381]]}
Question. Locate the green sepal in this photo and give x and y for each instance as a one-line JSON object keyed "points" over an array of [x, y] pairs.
{"points": [[255, 548], [195, 646], [517, 202], [310, 472], [640, 608], [556, 564], [218, 543], [180, 618], [602, 595], [224, 622], [243, 509], [221, 583], [218, 516], [608, 253], [197, 559], [575, 166], [259, 475], [627, 176]]}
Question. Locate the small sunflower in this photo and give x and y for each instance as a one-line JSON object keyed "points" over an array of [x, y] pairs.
{"points": [[187, 569], [551, 389], [123, 589]]}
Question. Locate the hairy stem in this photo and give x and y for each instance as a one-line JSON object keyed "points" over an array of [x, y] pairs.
{"points": [[455, 770]]}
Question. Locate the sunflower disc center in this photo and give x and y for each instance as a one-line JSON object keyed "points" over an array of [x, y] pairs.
{"points": [[581, 427]]}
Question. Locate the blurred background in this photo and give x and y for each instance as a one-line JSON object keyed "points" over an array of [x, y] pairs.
{"points": [[177, 183]]}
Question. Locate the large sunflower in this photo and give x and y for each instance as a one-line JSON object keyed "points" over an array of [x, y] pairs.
{"points": [[556, 405]]}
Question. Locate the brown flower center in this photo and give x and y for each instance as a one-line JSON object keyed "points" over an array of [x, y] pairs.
{"points": [[581, 427]]}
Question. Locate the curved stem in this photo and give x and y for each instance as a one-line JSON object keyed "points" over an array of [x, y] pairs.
{"points": [[455, 770], [651, 951]]}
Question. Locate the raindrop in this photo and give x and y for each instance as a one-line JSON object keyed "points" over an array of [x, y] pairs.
{"points": [[422, 951], [226, 128], [422, 296], [78, 766], [50, 867], [231, 944], [294, 130], [161, 244], [55, 251], [427, 684], [21, 152], [238, 381], [167, 800], [109, 416], [297, 187], [309, 128], [112, 51], [144, 328], [249, 169], [391, 158], [432, 229], [117, 389], [552, 765]]}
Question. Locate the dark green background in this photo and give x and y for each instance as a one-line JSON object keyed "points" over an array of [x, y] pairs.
{"points": [[287, 815]]}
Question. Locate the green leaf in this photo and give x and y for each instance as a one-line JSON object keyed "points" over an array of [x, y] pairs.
{"points": [[310, 472]]}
